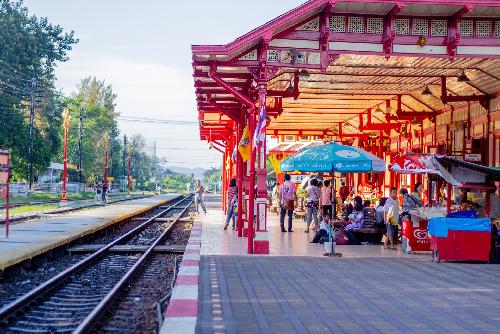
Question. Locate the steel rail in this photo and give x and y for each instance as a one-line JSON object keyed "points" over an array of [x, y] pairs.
{"points": [[16, 305], [102, 307]]}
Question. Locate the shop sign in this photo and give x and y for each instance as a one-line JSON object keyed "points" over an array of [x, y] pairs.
{"points": [[473, 157]]}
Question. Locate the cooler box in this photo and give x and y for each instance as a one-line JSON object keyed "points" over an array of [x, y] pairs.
{"points": [[461, 239], [415, 237]]}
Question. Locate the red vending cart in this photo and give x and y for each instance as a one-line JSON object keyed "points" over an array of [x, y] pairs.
{"points": [[460, 239]]}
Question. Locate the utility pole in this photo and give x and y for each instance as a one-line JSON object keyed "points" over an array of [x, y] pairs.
{"points": [[30, 143], [154, 166], [124, 155], [80, 149]]}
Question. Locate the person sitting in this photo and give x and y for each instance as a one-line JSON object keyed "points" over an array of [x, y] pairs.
{"points": [[356, 220], [322, 235], [379, 212]]}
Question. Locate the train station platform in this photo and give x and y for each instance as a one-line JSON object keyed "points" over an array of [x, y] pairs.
{"points": [[29, 239], [297, 290]]}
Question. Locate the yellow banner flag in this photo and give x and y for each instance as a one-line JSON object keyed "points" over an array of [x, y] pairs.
{"points": [[244, 145], [274, 162]]}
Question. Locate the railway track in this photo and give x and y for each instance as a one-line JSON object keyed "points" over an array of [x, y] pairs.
{"points": [[90, 204], [78, 299]]}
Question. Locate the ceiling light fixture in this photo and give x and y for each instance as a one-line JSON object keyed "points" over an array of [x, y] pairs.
{"points": [[463, 77], [426, 91], [304, 74]]}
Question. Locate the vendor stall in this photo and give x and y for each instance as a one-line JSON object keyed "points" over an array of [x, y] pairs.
{"points": [[469, 237]]}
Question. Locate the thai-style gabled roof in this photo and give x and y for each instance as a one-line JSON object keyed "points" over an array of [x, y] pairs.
{"points": [[359, 55]]}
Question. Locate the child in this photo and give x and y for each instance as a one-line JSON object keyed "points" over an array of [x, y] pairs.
{"points": [[322, 234]]}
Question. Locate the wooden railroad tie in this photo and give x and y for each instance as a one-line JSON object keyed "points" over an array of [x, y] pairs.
{"points": [[90, 248]]}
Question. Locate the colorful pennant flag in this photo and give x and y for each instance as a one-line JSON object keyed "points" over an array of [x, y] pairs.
{"points": [[260, 135], [234, 155]]}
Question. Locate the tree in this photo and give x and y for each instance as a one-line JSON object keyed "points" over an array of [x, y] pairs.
{"points": [[141, 165], [29, 50], [212, 177], [99, 122]]}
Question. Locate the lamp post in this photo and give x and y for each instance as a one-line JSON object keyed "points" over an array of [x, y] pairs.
{"points": [[67, 117]]}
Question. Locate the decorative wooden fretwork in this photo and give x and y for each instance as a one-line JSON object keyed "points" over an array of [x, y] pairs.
{"points": [[484, 28], [252, 55], [439, 27], [402, 26], [273, 56], [467, 28], [375, 25], [312, 25], [420, 27], [356, 24], [337, 24], [313, 58], [300, 58]]}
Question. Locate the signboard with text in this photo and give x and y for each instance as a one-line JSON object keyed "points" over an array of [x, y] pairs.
{"points": [[472, 157], [4, 185]]}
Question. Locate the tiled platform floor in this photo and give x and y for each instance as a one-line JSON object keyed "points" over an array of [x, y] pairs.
{"points": [[368, 290]]}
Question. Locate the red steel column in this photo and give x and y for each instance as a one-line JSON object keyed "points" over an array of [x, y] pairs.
{"points": [[239, 179], [251, 190], [261, 243]]}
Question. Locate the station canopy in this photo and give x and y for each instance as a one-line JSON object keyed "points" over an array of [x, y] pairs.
{"points": [[346, 62]]}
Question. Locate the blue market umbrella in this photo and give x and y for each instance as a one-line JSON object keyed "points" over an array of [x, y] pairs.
{"points": [[333, 157]]}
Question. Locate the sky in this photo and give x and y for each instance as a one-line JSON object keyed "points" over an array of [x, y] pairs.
{"points": [[143, 49]]}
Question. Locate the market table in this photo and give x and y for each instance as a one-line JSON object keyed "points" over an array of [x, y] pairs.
{"points": [[460, 239]]}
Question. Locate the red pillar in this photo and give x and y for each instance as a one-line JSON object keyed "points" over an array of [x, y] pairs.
{"points": [[239, 179], [223, 188], [261, 242], [251, 175]]}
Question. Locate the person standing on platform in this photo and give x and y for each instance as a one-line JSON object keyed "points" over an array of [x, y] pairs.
{"points": [[198, 198], [232, 200], [391, 213], [326, 199], [409, 203], [288, 196], [104, 192], [343, 192], [312, 205]]}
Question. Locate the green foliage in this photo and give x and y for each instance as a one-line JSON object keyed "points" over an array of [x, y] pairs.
{"points": [[30, 47], [212, 178], [175, 181]]}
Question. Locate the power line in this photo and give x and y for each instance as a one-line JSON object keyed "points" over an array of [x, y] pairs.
{"points": [[154, 120]]}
